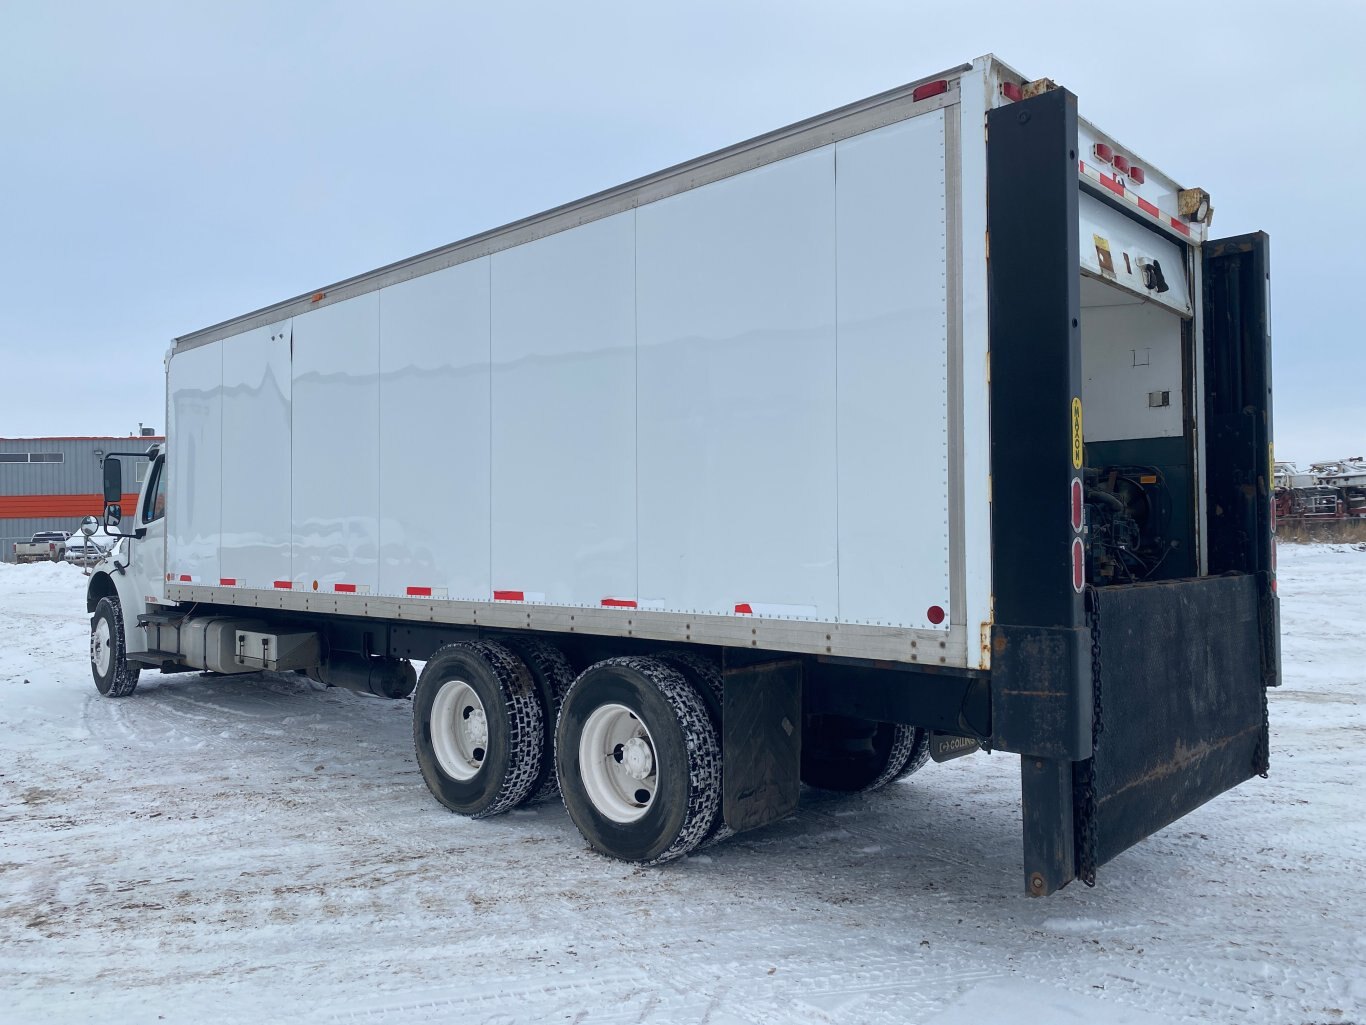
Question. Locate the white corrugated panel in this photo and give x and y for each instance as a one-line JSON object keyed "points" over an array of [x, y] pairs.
{"points": [[335, 446], [434, 434]]}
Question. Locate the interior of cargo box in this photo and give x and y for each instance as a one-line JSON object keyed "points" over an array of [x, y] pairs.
{"points": [[1138, 453]]}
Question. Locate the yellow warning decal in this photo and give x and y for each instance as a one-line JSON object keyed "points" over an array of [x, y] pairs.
{"points": [[1076, 434]]}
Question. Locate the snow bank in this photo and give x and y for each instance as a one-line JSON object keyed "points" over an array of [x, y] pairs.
{"points": [[259, 850]]}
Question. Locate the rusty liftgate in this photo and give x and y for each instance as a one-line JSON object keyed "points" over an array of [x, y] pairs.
{"points": [[1130, 704]]}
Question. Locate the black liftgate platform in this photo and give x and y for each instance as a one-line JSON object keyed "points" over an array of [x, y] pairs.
{"points": [[1129, 705]]}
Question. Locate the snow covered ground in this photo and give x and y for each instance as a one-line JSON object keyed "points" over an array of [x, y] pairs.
{"points": [[261, 850]]}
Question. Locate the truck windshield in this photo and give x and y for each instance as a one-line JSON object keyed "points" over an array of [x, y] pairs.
{"points": [[156, 494]]}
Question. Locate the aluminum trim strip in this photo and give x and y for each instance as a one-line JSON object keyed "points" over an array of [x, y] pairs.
{"points": [[852, 640], [953, 216]]}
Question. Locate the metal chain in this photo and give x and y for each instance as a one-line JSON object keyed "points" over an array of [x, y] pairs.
{"points": [[1261, 758], [1261, 755], [1084, 791]]}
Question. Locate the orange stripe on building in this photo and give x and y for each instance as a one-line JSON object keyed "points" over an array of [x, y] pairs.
{"points": [[38, 507]]}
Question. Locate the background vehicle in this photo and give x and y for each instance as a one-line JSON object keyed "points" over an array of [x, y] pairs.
{"points": [[86, 551], [748, 474], [46, 546], [1332, 492]]}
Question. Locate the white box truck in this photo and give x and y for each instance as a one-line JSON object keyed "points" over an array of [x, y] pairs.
{"points": [[932, 424]]}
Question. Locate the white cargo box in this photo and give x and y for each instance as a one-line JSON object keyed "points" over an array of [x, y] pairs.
{"points": [[741, 402]]}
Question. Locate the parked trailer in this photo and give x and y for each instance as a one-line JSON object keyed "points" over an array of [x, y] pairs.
{"points": [[766, 469]]}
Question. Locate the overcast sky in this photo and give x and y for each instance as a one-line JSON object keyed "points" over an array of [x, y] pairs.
{"points": [[167, 166]]}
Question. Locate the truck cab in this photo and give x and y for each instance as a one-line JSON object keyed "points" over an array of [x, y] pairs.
{"points": [[132, 579]]}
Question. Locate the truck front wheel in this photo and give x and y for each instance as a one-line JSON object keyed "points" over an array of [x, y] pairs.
{"points": [[478, 728], [856, 755], [114, 676], [638, 759]]}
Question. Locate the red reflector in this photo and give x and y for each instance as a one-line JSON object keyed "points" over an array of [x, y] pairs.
{"points": [[619, 603], [508, 595], [419, 592], [1011, 91], [1076, 504], [1104, 152], [743, 609], [1136, 174], [1121, 164], [284, 585], [1078, 566], [935, 614], [345, 588], [924, 92], [227, 582], [317, 297]]}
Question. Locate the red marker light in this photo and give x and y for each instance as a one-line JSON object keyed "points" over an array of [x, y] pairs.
{"points": [[1121, 164], [1104, 152], [935, 614], [1076, 504], [924, 92], [1078, 566], [1136, 174], [1011, 91]]}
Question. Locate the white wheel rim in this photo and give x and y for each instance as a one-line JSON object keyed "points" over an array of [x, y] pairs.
{"points": [[618, 764], [100, 655], [460, 731]]}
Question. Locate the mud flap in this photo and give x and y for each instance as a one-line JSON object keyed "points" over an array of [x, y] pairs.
{"points": [[761, 742], [1183, 705]]}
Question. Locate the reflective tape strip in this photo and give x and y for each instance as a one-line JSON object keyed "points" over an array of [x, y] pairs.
{"points": [[1117, 185], [775, 610], [227, 581], [284, 585], [620, 603], [345, 588], [508, 596], [427, 592]]}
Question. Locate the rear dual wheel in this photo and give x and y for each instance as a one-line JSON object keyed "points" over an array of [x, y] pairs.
{"points": [[639, 760], [478, 728], [859, 755]]}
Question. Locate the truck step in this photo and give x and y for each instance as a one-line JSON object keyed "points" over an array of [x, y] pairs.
{"points": [[159, 619], [154, 658]]}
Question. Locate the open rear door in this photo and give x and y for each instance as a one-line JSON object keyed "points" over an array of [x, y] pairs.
{"points": [[1181, 667], [1131, 703]]}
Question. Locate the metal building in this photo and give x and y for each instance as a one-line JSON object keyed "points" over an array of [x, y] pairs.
{"points": [[51, 483]]}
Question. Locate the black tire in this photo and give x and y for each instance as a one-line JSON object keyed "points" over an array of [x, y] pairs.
{"points": [[854, 756], [708, 680], [920, 754], [500, 773], [685, 751], [119, 677], [553, 676]]}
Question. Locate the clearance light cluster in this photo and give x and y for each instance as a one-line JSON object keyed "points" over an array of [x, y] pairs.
{"points": [[924, 92], [1121, 164]]}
